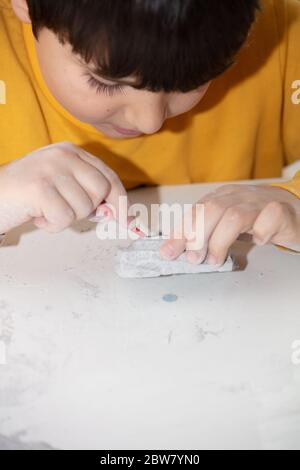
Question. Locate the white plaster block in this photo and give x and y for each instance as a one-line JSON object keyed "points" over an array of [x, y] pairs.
{"points": [[142, 259]]}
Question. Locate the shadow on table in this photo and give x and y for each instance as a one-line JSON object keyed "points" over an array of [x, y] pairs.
{"points": [[15, 443], [241, 250]]}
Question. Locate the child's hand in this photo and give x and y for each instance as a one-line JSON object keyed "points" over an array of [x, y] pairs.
{"points": [[270, 214], [54, 186]]}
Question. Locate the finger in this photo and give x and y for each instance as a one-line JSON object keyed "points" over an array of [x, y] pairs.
{"points": [[173, 248], [77, 197], [55, 209], [93, 181], [274, 220], [213, 212], [236, 220], [177, 243], [116, 196], [197, 256]]}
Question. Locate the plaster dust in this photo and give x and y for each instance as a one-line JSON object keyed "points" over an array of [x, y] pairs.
{"points": [[142, 260]]}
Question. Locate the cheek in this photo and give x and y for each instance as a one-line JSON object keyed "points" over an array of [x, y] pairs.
{"points": [[82, 101], [65, 82], [70, 89]]}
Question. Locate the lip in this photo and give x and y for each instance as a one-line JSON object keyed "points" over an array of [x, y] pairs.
{"points": [[127, 132]]}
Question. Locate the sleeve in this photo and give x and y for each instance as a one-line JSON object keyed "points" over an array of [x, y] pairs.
{"points": [[292, 186]]}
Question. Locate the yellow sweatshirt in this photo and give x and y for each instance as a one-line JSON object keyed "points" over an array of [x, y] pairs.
{"points": [[247, 126]]}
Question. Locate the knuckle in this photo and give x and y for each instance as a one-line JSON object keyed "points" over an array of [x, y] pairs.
{"points": [[234, 214], [67, 154], [66, 145], [54, 157], [63, 149], [213, 205], [39, 186], [275, 208]]}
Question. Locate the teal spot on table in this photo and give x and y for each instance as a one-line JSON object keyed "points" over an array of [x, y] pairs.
{"points": [[170, 298]]}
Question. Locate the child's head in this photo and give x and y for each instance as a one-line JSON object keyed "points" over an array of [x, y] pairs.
{"points": [[134, 63]]}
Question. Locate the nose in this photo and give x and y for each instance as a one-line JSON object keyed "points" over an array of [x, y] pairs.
{"points": [[149, 112]]}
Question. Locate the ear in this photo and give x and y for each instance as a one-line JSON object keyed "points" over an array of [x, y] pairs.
{"points": [[20, 8]]}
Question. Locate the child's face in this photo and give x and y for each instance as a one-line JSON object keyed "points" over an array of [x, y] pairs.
{"points": [[115, 109]]}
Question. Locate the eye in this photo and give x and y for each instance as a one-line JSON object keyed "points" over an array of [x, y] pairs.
{"points": [[108, 90]]}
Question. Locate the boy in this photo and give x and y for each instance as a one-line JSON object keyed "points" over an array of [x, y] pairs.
{"points": [[146, 91]]}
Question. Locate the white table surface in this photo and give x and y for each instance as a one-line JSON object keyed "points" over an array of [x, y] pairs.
{"points": [[98, 362]]}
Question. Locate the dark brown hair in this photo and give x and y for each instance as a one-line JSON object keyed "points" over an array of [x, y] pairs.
{"points": [[170, 45]]}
